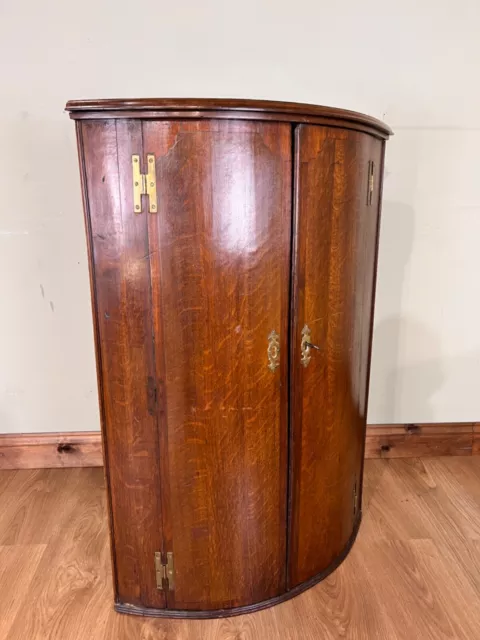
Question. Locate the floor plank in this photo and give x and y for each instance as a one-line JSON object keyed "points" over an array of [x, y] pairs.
{"points": [[414, 572], [17, 567]]}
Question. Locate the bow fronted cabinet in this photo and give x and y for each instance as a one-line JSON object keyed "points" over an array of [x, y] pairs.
{"points": [[232, 248]]}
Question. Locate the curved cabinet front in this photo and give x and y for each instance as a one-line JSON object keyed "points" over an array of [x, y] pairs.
{"points": [[220, 258], [232, 259], [336, 222]]}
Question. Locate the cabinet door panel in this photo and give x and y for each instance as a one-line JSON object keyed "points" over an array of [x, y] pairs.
{"points": [[219, 254], [335, 252], [120, 281]]}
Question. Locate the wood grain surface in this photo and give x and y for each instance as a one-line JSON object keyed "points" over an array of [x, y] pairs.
{"points": [[421, 440], [335, 233], [84, 448], [219, 255], [49, 450], [411, 575], [230, 108], [185, 301], [476, 439], [123, 316]]}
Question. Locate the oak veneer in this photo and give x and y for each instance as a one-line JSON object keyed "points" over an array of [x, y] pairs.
{"points": [[233, 327]]}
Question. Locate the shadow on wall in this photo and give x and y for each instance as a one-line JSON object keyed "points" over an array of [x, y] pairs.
{"points": [[411, 392], [404, 393], [396, 240]]}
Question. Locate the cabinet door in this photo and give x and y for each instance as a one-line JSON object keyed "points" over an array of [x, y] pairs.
{"points": [[120, 281], [336, 221], [219, 255]]}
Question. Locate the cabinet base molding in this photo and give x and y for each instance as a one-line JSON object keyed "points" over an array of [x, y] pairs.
{"points": [[251, 608], [51, 450], [423, 440], [84, 448]]}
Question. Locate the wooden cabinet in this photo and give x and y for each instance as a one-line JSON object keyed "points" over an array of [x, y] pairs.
{"points": [[233, 304], [336, 225]]}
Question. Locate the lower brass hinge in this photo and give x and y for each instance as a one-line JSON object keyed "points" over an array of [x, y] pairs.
{"points": [[164, 570], [355, 499]]}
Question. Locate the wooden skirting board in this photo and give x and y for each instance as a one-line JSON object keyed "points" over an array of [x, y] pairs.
{"points": [[49, 450], [84, 448], [422, 440]]}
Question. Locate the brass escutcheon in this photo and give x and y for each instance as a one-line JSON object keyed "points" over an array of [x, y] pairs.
{"points": [[305, 346], [273, 350]]}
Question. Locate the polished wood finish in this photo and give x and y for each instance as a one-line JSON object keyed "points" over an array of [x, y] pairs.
{"points": [[335, 253], [198, 108], [250, 475], [49, 450], [250, 608], [412, 573], [220, 258], [122, 292], [421, 440]]}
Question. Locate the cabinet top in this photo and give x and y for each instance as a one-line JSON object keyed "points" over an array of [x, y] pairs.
{"points": [[166, 108]]}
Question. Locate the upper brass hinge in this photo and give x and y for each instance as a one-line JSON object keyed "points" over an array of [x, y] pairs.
{"points": [[144, 184], [355, 499], [164, 570], [371, 181]]}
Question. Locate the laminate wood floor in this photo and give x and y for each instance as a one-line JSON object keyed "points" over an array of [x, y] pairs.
{"points": [[414, 571]]}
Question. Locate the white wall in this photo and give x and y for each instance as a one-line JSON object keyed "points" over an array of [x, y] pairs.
{"points": [[414, 64]]}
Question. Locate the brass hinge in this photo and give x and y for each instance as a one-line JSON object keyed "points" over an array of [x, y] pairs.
{"points": [[144, 184], [355, 499], [371, 179], [164, 571]]}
